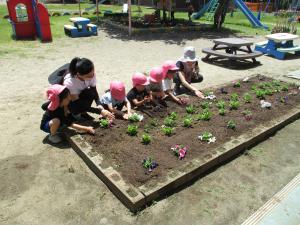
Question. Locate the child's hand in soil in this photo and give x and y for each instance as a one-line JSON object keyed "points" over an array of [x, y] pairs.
{"points": [[107, 114], [125, 116], [90, 130], [199, 94], [147, 99]]}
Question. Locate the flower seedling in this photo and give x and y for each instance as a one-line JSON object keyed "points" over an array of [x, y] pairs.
{"points": [[221, 104], [169, 122], [253, 87], [260, 94], [209, 95], [276, 83], [154, 123], [132, 130], [179, 151], [146, 139], [190, 109], [205, 105], [234, 97], [268, 91], [247, 114], [236, 84], [207, 136], [187, 121], [168, 131], [231, 125], [205, 115], [247, 97], [222, 112], [234, 105], [284, 99], [173, 116], [105, 123], [149, 164], [135, 117], [285, 87]]}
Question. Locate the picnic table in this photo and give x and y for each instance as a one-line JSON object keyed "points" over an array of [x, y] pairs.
{"points": [[81, 28], [232, 47], [278, 45]]}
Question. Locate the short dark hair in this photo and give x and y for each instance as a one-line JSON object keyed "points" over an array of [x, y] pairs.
{"points": [[80, 65]]}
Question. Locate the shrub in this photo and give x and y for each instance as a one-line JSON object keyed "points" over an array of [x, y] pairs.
{"points": [[132, 130]]}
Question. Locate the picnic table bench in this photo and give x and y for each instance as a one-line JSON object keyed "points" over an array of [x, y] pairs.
{"points": [[81, 28], [278, 45], [232, 47]]}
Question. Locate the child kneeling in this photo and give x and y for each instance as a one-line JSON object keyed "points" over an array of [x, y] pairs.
{"points": [[115, 99], [57, 113]]}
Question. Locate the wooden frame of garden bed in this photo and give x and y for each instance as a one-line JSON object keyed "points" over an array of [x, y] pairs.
{"points": [[136, 198], [200, 27]]}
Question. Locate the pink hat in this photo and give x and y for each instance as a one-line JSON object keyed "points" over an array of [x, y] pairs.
{"points": [[156, 74], [53, 95], [117, 90], [139, 79], [169, 65]]}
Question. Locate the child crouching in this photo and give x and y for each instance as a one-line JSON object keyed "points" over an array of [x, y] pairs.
{"points": [[115, 99], [57, 114]]}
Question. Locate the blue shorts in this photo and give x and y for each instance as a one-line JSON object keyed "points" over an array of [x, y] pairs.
{"points": [[46, 127]]}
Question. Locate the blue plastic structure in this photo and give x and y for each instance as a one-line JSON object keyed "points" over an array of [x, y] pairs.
{"points": [[82, 28]]}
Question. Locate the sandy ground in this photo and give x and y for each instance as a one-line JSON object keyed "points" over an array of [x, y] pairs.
{"points": [[36, 186]]}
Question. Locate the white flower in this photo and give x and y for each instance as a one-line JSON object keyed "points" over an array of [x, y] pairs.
{"points": [[211, 96], [246, 79], [212, 140], [265, 104]]}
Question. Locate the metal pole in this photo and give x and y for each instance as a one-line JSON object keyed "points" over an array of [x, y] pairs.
{"points": [[79, 8], [97, 10]]}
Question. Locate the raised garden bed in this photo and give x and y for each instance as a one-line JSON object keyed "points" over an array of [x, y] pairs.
{"points": [[116, 157]]}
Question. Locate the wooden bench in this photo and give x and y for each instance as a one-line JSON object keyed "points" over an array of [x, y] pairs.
{"points": [[287, 50], [251, 55]]}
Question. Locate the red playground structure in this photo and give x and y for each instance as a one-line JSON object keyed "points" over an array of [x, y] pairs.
{"points": [[29, 19]]}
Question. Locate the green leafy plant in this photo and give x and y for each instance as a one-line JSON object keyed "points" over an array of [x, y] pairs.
{"points": [[285, 87], [190, 109], [134, 118], [234, 105], [276, 83], [173, 115], [168, 131], [146, 139], [187, 121], [247, 97], [132, 130], [205, 105], [206, 136], [169, 122], [221, 104], [236, 84], [231, 124], [247, 114], [253, 87], [261, 94], [104, 123], [205, 115], [222, 112], [154, 123], [208, 93], [234, 97]]}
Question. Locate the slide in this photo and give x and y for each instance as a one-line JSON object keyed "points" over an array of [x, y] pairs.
{"points": [[254, 21], [204, 9]]}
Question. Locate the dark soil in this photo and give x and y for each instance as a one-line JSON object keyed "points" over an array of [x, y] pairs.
{"points": [[126, 153]]}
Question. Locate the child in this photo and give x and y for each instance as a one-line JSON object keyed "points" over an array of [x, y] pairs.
{"points": [[138, 95], [57, 113], [115, 99], [81, 81], [188, 73], [169, 70]]}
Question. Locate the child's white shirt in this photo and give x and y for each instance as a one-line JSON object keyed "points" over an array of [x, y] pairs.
{"points": [[76, 86], [167, 84]]}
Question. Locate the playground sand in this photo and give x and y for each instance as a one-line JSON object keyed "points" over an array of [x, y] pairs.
{"points": [[41, 184]]}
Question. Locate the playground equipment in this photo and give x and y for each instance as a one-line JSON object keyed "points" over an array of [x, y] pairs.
{"points": [[213, 5], [29, 19], [82, 28]]}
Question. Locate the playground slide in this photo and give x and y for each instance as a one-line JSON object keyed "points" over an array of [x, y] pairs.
{"points": [[254, 21], [202, 11]]}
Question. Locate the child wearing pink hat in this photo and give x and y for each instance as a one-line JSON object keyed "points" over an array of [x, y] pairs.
{"points": [[115, 99], [57, 113], [155, 86], [169, 70], [139, 95]]}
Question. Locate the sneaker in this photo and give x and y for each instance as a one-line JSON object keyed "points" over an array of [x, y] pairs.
{"points": [[54, 139]]}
